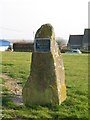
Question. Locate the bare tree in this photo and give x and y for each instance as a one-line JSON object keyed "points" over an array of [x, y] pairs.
{"points": [[61, 42]]}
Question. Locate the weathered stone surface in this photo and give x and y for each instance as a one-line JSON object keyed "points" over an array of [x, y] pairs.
{"points": [[46, 83], [45, 31]]}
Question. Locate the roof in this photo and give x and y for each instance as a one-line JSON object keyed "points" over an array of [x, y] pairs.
{"points": [[4, 42], [75, 39]]}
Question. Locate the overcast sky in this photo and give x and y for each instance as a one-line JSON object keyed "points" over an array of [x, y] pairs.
{"points": [[19, 19]]}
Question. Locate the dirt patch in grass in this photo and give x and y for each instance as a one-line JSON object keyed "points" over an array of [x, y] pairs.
{"points": [[14, 88]]}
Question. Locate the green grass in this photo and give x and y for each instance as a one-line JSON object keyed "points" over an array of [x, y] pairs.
{"points": [[17, 65], [2, 81]]}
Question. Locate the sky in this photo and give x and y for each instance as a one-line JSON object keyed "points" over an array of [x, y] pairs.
{"points": [[20, 19]]}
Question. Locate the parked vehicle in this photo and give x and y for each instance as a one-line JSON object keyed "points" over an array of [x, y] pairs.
{"points": [[74, 51]]}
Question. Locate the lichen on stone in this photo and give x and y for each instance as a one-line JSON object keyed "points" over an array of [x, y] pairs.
{"points": [[45, 31]]}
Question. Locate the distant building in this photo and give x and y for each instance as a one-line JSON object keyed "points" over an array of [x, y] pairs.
{"points": [[86, 39], [4, 45], [75, 41], [80, 41], [23, 46]]}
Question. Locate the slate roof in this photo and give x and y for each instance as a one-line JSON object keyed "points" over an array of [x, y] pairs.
{"points": [[80, 41]]}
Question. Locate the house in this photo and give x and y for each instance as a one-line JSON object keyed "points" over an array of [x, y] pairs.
{"points": [[80, 41], [75, 41], [86, 39]]}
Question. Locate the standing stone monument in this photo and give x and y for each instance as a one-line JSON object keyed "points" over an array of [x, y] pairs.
{"points": [[46, 83]]}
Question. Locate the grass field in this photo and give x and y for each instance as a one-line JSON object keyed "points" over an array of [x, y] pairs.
{"points": [[17, 65]]}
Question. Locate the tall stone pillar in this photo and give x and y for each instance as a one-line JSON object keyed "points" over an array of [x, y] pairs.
{"points": [[46, 83]]}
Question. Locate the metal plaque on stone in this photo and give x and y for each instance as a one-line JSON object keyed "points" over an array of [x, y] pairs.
{"points": [[42, 45]]}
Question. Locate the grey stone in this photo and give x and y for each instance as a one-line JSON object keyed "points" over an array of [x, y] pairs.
{"points": [[46, 83]]}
